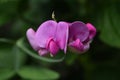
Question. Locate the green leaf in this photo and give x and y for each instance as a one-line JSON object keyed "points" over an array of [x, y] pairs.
{"points": [[6, 74], [10, 56], [19, 58], [109, 27], [37, 73], [6, 56], [11, 59]]}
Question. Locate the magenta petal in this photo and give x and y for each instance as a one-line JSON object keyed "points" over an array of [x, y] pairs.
{"points": [[44, 32], [77, 45], [31, 38], [62, 35], [78, 30], [53, 48], [42, 51], [92, 30]]}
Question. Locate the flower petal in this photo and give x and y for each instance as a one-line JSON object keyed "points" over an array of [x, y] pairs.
{"points": [[86, 46], [77, 45], [42, 51], [53, 48], [44, 32], [92, 30], [31, 38], [78, 30], [62, 35]]}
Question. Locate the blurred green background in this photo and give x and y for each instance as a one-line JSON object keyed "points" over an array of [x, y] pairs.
{"points": [[101, 62]]}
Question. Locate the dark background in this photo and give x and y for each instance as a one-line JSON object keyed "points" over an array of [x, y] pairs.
{"points": [[101, 62]]}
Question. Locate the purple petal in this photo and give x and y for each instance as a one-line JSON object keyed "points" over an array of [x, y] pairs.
{"points": [[77, 45], [53, 48], [78, 30], [44, 32], [92, 30], [62, 35], [31, 38], [42, 51]]}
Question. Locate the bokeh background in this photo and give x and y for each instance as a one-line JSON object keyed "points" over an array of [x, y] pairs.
{"points": [[101, 62]]}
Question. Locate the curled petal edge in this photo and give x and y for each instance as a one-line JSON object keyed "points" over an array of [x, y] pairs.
{"points": [[92, 30], [31, 38]]}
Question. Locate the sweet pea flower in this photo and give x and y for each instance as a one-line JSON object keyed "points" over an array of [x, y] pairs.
{"points": [[50, 37], [80, 36]]}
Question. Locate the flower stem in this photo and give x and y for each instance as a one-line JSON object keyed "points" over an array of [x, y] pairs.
{"points": [[6, 40], [53, 16]]}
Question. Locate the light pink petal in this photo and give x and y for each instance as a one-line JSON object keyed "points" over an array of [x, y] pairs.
{"points": [[78, 30], [86, 46], [92, 30], [43, 51], [45, 31], [53, 48], [62, 35], [31, 38]]}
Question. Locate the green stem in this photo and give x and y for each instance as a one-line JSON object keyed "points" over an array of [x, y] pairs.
{"points": [[21, 45], [6, 40]]}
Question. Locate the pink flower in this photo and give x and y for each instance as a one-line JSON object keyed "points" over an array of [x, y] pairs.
{"points": [[50, 37], [80, 36]]}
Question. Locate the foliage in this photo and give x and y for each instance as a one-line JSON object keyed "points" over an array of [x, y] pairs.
{"points": [[18, 61]]}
